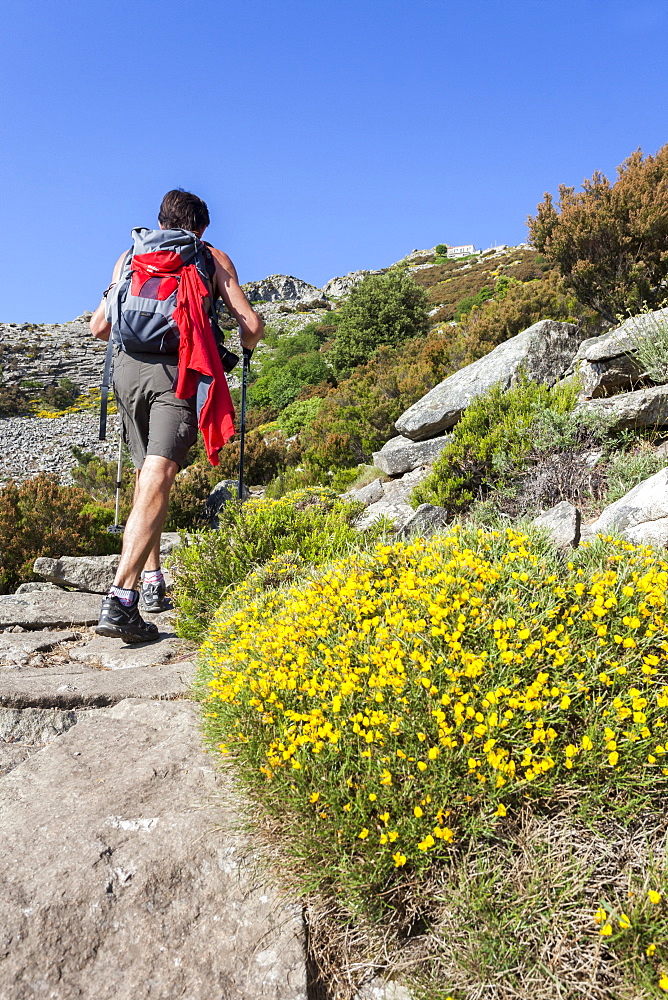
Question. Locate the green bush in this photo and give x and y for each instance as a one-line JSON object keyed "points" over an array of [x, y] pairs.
{"points": [[281, 382], [298, 415], [59, 397], [490, 444], [315, 524], [471, 302], [382, 310], [39, 517]]}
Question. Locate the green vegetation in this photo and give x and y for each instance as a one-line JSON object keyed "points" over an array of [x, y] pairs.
{"points": [[650, 339], [453, 737], [14, 402], [42, 518], [609, 241], [382, 310], [311, 525], [491, 443]]}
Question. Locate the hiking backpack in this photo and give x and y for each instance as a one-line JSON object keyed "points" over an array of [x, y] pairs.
{"points": [[140, 308]]}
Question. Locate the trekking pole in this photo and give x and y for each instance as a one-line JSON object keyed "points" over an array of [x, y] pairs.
{"points": [[116, 528], [242, 428]]}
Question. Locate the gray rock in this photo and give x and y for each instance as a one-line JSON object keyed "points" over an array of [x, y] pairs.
{"points": [[562, 524], [283, 287], [169, 540], [124, 873], [642, 408], [649, 533], [90, 574], [400, 454], [36, 725], [543, 351], [16, 649], [338, 288], [399, 490], [368, 494], [646, 503], [74, 685], [398, 512], [425, 521], [35, 587], [606, 365], [223, 491], [51, 609]]}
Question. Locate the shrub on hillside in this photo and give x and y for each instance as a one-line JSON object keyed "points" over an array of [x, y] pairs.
{"points": [[281, 382], [14, 402], [39, 517], [59, 397], [358, 417], [314, 524], [391, 709], [382, 310], [491, 443], [609, 241]]}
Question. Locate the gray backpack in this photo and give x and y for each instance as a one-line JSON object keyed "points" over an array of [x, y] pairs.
{"points": [[141, 304]]}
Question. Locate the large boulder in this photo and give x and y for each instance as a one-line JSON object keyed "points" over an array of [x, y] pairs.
{"points": [[607, 365], [641, 516], [124, 873], [642, 408], [543, 352], [48, 609], [400, 454], [337, 288]]}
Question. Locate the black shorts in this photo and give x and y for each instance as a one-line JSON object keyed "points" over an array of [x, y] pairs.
{"points": [[154, 421]]}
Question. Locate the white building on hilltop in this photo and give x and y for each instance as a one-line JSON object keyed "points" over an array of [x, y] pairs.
{"points": [[461, 251]]}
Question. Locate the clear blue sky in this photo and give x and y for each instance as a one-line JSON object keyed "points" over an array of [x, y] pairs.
{"points": [[325, 135]]}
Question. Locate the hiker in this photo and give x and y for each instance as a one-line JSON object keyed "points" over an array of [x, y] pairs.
{"points": [[163, 352]]}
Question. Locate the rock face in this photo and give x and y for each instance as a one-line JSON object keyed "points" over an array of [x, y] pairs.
{"points": [[401, 455], [606, 365], [641, 515], [281, 287], [118, 880], [223, 491], [337, 288], [562, 523], [393, 504], [46, 353], [543, 351], [642, 408]]}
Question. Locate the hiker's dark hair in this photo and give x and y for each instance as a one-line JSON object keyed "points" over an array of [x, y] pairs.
{"points": [[182, 210]]}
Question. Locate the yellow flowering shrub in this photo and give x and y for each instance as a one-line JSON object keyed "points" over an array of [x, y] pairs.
{"points": [[407, 698]]}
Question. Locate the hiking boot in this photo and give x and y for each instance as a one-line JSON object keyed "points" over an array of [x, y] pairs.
{"points": [[153, 597], [119, 622]]}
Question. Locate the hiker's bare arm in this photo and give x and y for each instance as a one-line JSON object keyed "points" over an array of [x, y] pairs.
{"points": [[252, 326], [98, 324]]}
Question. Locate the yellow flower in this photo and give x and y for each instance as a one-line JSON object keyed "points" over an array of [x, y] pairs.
{"points": [[314, 796], [663, 982], [613, 758], [650, 949], [624, 922], [399, 859], [363, 834], [501, 810], [417, 812], [654, 896], [600, 915], [606, 930]]}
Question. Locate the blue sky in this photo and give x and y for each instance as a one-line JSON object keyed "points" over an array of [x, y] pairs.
{"points": [[325, 135]]}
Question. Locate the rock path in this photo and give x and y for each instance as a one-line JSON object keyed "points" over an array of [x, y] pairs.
{"points": [[124, 870]]}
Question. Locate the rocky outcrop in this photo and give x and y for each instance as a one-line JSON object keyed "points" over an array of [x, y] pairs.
{"points": [[338, 288], [281, 287], [427, 519], [607, 365], [393, 504], [642, 408], [400, 454], [91, 574], [46, 353], [48, 609], [543, 352], [124, 872]]}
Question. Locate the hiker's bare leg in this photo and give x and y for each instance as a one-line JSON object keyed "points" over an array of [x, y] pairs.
{"points": [[141, 538], [153, 559]]}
